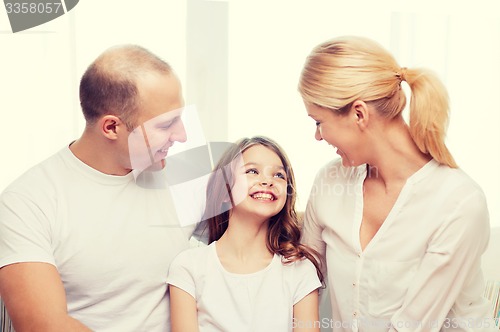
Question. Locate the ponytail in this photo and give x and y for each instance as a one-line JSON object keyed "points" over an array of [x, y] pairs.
{"points": [[429, 109], [345, 69]]}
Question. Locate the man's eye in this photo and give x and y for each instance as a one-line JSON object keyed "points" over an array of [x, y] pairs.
{"points": [[168, 124]]}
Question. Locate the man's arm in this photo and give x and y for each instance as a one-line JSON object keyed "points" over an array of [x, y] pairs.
{"points": [[34, 296]]}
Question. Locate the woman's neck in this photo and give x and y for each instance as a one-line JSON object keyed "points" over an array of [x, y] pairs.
{"points": [[396, 156]]}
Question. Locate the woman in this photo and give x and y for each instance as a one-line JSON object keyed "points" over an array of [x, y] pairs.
{"points": [[400, 226]]}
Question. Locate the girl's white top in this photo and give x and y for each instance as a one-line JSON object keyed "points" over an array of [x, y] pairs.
{"points": [[260, 301]]}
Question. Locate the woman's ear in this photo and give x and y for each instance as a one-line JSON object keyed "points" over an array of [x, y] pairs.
{"points": [[110, 125], [361, 114]]}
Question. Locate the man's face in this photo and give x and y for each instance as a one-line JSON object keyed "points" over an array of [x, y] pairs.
{"points": [[159, 123]]}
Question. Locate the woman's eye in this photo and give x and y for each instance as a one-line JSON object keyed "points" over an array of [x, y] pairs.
{"points": [[251, 171], [318, 123]]}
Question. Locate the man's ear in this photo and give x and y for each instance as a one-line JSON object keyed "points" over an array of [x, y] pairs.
{"points": [[361, 114], [110, 125]]}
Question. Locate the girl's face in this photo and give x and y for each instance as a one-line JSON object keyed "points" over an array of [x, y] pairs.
{"points": [[340, 131], [260, 187]]}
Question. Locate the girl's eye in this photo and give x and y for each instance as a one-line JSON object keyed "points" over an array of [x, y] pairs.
{"points": [[280, 175], [251, 171], [317, 123]]}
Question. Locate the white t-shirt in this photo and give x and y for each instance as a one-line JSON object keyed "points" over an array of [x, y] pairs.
{"points": [[421, 269], [111, 238], [260, 301]]}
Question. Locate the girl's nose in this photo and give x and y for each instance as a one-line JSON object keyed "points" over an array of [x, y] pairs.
{"points": [[266, 181]]}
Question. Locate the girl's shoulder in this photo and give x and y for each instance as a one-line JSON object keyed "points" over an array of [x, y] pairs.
{"points": [[299, 266], [194, 254]]}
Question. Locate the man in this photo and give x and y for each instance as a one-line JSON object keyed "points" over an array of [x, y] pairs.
{"points": [[84, 244]]}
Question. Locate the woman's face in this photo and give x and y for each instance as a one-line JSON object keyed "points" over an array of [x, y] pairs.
{"points": [[339, 131]]}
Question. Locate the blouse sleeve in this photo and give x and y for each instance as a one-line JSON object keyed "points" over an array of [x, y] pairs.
{"points": [[312, 229], [453, 255], [180, 273]]}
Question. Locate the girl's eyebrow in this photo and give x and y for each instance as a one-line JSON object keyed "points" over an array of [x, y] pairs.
{"points": [[257, 164]]}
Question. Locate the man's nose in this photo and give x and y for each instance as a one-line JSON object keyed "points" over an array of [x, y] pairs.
{"points": [[179, 134]]}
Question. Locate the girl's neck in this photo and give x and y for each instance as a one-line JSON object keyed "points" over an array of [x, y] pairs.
{"points": [[242, 248]]}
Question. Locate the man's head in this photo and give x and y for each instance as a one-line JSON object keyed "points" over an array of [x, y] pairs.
{"points": [[132, 101], [109, 85]]}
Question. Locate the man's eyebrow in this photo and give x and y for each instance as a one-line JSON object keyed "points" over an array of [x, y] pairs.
{"points": [[163, 122]]}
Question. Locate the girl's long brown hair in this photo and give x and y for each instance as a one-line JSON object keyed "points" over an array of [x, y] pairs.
{"points": [[283, 234]]}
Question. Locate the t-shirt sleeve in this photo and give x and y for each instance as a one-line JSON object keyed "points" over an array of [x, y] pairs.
{"points": [[25, 231], [181, 273], [306, 279]]}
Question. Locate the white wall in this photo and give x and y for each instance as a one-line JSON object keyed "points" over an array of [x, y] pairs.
{"points": [[40, 70], [267, 42]]}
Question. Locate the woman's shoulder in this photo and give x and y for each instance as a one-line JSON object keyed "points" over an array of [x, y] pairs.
{"points": [[335, 171], [454, 180]]}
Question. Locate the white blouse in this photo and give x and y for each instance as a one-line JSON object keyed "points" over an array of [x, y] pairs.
{"points": [[232, 302], [421, 271]]}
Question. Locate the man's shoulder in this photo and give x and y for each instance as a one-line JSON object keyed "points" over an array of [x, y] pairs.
{"points": [[40, 175]]}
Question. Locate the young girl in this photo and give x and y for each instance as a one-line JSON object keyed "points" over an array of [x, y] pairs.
{"points": [[254, 275]]}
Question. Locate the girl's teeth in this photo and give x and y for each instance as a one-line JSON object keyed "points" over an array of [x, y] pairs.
{"points": [[263, 196]]}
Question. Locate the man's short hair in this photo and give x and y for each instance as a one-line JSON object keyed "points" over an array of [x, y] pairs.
{"points": [[109, 85]]}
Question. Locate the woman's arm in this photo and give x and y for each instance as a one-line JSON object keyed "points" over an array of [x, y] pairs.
{"points": [[183, 312], [306, 314], [452, 257]]}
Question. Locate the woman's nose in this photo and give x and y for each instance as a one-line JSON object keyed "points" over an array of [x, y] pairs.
{"points": [[317, 135]]}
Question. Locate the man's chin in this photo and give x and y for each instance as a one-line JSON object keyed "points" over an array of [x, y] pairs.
{"points": [[158, 166]]}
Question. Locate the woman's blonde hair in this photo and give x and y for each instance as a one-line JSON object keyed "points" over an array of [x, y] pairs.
{"points": [[343, 70]]}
